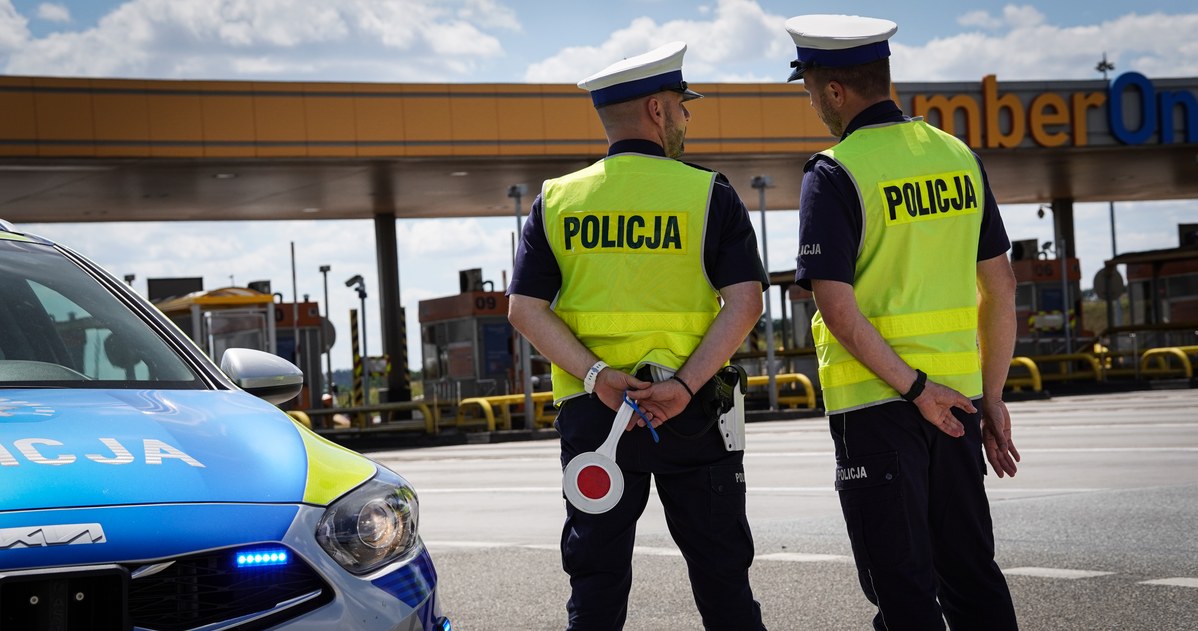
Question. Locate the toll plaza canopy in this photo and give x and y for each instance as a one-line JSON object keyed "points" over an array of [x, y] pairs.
{"points": [[82, 150], [77, 150]]}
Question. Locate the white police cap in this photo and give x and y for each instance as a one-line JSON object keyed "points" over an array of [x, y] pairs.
{"points": [[836, 41], [649, 73]]}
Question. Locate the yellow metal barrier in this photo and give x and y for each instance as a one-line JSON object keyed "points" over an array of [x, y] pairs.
{"points": [[1033, 379], [430, 415], [1160, 357], [487, 405], [1064, 362], [301, 418], [807, 398]]}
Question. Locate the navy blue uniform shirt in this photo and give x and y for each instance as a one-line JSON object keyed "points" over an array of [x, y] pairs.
{"points": [[729, 246], [830, 212]]}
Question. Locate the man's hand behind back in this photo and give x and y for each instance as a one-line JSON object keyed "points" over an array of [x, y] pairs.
{"points": [[996, 437], [936, 403]]}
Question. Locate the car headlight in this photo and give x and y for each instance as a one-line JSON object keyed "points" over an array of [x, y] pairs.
{"points": [[373, 525]]}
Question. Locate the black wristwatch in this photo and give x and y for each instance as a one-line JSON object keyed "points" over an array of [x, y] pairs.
{"points": [[921, 380]]}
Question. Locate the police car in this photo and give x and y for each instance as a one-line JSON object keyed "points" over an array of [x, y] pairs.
{"points": [[141, 487]]}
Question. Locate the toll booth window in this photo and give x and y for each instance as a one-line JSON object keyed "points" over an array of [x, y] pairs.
{"points": [[1051, 299], [460, 331], [432, 362], [1182, 286], [496, 351], [1140, 297], [1025, 296], [236, 329]]}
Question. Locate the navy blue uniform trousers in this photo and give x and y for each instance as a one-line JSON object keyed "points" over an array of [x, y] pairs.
{"points": [[702, 489], [919, 521]]}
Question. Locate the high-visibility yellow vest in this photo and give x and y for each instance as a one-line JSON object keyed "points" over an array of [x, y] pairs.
{"points": [[916, 276], [627, 233]]}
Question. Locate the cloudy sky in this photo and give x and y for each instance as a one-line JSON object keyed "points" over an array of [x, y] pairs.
{"points": [[539, 41]]}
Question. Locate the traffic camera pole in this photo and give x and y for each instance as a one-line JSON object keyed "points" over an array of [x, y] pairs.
{"points": [[762, 182]]}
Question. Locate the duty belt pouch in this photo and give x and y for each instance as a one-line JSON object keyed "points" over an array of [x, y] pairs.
{"points": [[722, 401], [731, 383]]}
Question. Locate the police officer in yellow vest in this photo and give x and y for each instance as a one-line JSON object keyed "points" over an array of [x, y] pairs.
{"points": [[640, 274], [901, 242]]}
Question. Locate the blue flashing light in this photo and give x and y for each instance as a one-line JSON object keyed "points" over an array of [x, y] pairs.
{"points": [[261, 557], [445, 626]]}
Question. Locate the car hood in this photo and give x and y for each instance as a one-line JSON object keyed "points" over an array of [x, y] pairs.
{"points": [[78, 448]]}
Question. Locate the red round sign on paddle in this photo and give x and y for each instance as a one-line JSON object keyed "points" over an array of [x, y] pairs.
{"points": [[592, 481]]}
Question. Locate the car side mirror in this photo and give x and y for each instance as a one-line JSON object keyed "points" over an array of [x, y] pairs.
{"points": [[266, 376]]}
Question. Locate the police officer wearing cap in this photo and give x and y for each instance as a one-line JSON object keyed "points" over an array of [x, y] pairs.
{"points": [[640, 274], [902, 244]]}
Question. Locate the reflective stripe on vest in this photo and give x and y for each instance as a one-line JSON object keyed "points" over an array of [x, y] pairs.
{"points": [[627, 233], [916, 277]]}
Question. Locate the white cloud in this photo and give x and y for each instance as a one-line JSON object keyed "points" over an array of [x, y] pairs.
{"points": [[364, 40], [1025, 16], [51, 12], [980, 19], [14, 30], [490, 14], [1028, 48], [738, 32]]}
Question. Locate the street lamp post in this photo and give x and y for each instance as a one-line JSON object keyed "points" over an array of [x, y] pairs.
{"points": [[1114, 311], [516, 192], [328, 351], [762, 182]]}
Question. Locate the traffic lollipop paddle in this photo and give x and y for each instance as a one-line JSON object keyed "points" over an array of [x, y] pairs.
{"points": [[592, 481]]}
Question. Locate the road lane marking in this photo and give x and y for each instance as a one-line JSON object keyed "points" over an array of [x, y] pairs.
{"points": [[467, 544], [800, 557], [660, 551], [1173, 582], [1090, 427], [1053, 572], [656, 552], [993, 490], [805, 557]]}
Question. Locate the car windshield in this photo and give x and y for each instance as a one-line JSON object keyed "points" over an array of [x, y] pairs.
{"points": [[60, 327]]}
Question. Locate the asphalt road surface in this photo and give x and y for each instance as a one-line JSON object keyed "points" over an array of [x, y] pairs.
{"points": [[1099, 529]]}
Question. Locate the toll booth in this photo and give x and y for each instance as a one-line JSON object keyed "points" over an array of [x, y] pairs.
{"points": [[312, 335], [1162, 292], [220, 319], [467, 343], [1046, 307]]}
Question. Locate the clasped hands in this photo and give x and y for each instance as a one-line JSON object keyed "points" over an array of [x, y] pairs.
{"points": [[658, 402]]}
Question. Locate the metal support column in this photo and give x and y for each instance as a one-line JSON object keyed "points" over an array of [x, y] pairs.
{"points": [[392, 325], [1062, 225]]}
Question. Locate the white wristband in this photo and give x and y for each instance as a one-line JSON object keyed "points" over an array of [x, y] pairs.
{"points": [[588, 382]]}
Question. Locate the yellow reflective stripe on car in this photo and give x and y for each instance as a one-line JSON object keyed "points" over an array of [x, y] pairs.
{"points": [[11, 236], [332, 469]]}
